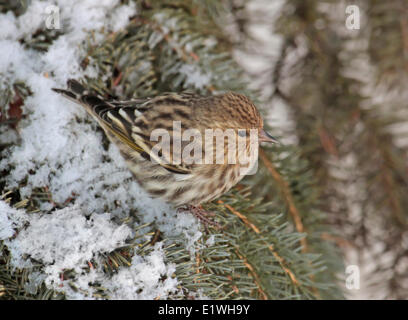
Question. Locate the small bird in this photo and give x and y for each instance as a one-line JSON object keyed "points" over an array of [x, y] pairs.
{"points": [[167, 174]]}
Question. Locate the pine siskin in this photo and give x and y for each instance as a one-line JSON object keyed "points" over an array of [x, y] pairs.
{"points": [[170, 172]]}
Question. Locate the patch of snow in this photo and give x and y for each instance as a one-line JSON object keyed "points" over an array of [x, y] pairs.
{"points": [[142, 279], [67, 157], [194, 76]]}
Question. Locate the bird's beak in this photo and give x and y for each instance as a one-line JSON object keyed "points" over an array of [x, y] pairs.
{"points": [[266, 137]]}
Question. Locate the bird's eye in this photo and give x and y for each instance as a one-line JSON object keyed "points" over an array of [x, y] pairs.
{"points": [[242, 133]]}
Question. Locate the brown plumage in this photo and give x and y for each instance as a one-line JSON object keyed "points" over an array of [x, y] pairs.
{"points": [[130, 125]]}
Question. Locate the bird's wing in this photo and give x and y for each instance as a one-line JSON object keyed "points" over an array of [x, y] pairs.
{"points": [[123, 119]]}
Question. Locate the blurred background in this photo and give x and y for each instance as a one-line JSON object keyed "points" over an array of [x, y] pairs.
{"points": [[331, 79], [336, 87]]}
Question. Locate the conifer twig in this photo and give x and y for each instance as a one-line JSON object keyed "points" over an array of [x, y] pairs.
{"points": [[270, 247], [287, 196], [253, 273], [241, 216], [180, 51]]}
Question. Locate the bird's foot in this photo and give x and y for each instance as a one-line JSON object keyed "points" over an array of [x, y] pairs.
{"points": [[201, 214]]}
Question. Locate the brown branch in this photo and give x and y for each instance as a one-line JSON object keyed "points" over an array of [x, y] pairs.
{"points": [[287, 196], [393, 201], [327, 141], [404, 34], [292, 210], [387, 173], [242, 217], [282, 263], [270, 247], [254, 275]]}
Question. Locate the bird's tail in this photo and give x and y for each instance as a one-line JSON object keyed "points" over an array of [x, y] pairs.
{"points": [[93, 103], [75, 90], [117, 130]]}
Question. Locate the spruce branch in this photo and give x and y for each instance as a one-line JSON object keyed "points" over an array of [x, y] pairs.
{"points": [[257, 255], [287, 196]]}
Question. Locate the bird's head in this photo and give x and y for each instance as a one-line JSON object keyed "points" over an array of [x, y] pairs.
{"points": [[242, 115]]}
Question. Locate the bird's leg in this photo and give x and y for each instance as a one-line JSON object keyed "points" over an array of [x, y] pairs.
{"points": [[201, 214]]}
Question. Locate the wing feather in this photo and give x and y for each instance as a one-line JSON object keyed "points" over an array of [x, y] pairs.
{"points": [[119, 118]]}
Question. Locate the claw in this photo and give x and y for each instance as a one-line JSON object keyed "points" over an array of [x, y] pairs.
{"points": [[201, 214]]}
